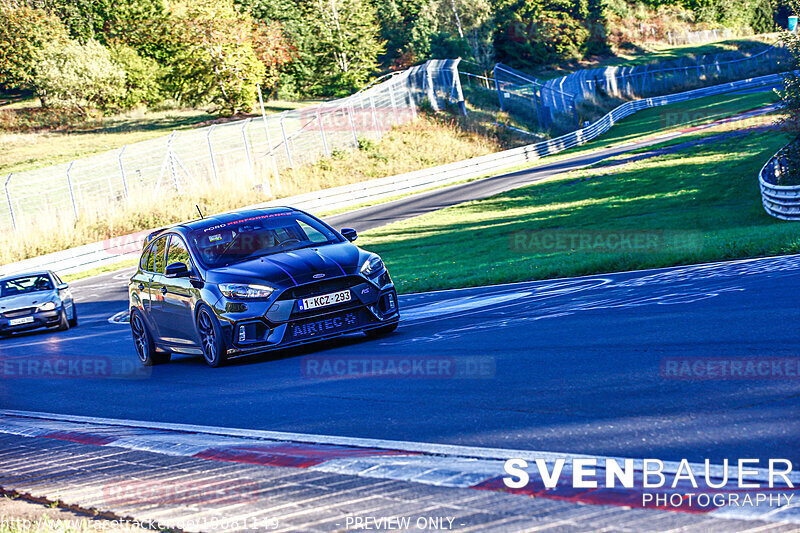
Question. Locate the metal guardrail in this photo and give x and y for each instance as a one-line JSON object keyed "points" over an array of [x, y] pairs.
{"points": [[779, 201], [115, 250]]}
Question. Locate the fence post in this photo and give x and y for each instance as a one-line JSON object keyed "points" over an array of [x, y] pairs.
{"points": [[351, 112], [247, 150], [430, 89], [286, 141], [322, 132], [171, 162], [375, 117], [211, 154], [122, 172], [71, 191], [394, 104], [269, 139], [10, 206]]}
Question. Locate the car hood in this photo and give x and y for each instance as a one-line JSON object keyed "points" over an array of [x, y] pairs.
{"points": [[292, 268], [9, 303]]}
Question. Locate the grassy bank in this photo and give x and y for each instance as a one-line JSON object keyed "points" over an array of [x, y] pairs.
{"points": [[31, 137], [691, 206], [655, 53]]}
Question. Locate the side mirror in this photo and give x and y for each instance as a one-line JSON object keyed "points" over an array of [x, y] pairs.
{"points": [[62, 286], [177, 270], [350, 234]]}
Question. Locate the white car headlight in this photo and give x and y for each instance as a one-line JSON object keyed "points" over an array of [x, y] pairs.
{"points": [[47, 306], [372, 265], [239, 290]]}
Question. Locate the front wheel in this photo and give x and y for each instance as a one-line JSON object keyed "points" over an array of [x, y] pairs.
{"points": [[143, 341], [382, 331], [210, 334], [73, 322], [63, 324]]}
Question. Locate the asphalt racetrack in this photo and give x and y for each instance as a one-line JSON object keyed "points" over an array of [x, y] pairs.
{"points": [[594, 365], [579, 365]]}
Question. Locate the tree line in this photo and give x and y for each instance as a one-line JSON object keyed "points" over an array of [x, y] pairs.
{"points": [[117, 54]]}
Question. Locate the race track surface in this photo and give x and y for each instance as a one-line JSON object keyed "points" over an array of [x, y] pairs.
{"points": [[576, 365]]}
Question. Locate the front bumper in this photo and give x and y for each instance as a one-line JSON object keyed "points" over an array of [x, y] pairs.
{"points": [[261, 326], [40, 319]]}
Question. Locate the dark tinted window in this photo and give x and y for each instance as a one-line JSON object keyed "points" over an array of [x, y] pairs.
{"points": [[160, 259], [230, 242], [178, 252], [25, 284]]}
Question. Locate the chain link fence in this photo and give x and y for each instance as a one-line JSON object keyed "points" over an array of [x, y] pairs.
{"points": [[544, 102], [250, 153]]}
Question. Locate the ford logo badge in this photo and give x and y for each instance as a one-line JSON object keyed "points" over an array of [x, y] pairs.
{"points": [[318, 276]]}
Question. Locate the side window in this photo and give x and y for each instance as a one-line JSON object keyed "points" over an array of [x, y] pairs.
{"points": [[312, 234], [160, 259], [57, 279], [146, 262], [178, 252]]}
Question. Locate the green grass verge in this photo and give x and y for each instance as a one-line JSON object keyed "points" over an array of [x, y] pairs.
{"points": [[99, 270], [701, 204]]}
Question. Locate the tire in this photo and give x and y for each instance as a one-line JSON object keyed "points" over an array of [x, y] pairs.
{"points": [[143, 342], [63, 325], [210, 335], [73, 322], [382, 331]]}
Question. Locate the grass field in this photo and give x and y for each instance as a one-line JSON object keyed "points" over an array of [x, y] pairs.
{"points": [[654, 53], [691, 206], [35, 148]]}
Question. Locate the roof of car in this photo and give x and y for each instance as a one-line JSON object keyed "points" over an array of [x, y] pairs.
{"points": [[24, 274], [232, 216]]}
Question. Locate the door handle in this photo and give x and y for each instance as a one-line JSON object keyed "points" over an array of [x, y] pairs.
{"points": [[163, 290], [141, 286]]}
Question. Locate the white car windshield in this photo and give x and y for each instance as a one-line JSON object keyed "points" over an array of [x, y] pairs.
{"points": [[25, 285]]}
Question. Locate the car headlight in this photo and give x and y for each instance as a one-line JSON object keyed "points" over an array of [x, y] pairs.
{"points": [[47, 306], [238, 290], [372, 265]]}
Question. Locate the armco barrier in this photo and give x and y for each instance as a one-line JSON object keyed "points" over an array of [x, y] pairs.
{"points": [[780, 201], [115, 250]]}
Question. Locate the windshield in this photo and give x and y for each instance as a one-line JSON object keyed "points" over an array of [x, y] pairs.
{"points": [[25, 285], [251, 237]]}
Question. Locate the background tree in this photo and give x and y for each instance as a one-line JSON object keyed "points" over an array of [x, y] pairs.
{"points": [[24, 34], [79, 76], [217, 61], [347, 44]]}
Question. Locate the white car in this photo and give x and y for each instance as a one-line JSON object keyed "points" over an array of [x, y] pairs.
{"points": [[35, 300]]}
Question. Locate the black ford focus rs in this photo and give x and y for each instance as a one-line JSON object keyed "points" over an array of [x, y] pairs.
{"points": [[254, 280]]}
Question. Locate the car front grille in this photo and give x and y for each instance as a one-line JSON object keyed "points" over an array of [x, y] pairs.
{"points": [[321, 287], [25, 311]]}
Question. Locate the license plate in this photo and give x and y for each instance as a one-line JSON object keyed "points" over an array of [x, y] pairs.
{"points": [[19, 321], [325, 300]]}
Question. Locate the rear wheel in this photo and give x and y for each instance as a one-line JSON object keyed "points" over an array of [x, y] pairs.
{"points": [[382, 331], [143, 342], [73, 322], [210, 338]]}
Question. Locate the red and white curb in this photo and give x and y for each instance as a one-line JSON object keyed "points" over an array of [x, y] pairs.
{"points": [[433, 464]]}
